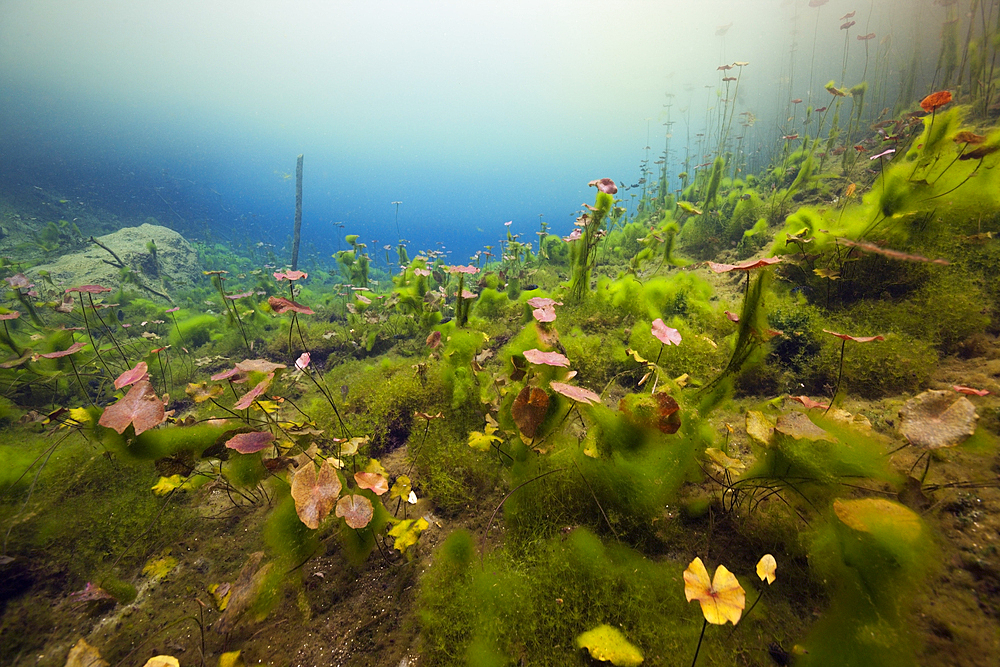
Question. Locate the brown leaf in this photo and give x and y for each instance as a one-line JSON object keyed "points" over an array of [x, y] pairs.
{"points": [[246, 589], [529, 410], [936, 419], [280, 304], [356, 510], [140, 407], [315, 495]]}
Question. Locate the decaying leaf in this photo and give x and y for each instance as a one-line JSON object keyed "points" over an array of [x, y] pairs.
{"points": [[608, 644], [202, 391], [247, 399], [220, 595], [529, 409], [723, 461], [356, 510], [84, 655], [140, 407], [879, 517], [936, 419], [722, 599], [314, 495], [401, 488], [162, 661], [250, 443], [759, 428], [797, 425], [157, 568], [248, 586]]}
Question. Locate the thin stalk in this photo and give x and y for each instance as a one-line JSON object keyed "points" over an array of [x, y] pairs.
{"points": [[700, 637]]}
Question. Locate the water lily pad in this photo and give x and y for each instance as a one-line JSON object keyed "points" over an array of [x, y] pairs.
{"points": [[529, 409], [937, 419]]}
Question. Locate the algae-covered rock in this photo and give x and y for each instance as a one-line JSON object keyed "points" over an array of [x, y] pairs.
{"points": [[937, 419], [156, 256]]}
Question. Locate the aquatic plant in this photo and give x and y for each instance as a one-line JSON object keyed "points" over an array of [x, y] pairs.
{"points": [[722, 599], [589, 231]]}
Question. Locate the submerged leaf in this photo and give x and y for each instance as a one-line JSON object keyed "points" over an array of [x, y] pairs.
{"points": [[766, 567], [250, 443], [372, 481], [529, 409], [608, 644], [546, 358], [407, 533], [314, 495], [574, 393], [140, 407], [665, 334], [936, 419], [84, 655], [356, 510]]}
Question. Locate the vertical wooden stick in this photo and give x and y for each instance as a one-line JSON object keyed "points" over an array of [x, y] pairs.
{"points": [[298, 214]]}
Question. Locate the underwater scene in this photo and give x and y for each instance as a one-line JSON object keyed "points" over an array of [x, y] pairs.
{"points": [[499, 334]]}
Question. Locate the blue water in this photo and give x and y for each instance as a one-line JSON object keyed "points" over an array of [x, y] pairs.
{"points": [[471, 114]]}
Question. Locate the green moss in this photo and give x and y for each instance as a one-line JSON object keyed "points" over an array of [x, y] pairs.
{"points": [[195, 331]]}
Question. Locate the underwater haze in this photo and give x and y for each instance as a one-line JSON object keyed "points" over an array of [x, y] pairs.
{"points": [[470, 114]]}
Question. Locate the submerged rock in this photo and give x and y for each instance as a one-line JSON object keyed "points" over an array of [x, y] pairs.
{"points": [[149, 258], [937, 419]]}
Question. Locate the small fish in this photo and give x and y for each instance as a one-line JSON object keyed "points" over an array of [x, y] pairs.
{"points": [[343, 391], [121, 315], [530, 287]]}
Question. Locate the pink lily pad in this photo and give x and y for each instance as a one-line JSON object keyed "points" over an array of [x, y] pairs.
{"points": [[72, 349], [356, 510], [280, 305], [140, 407], [665, 334], [546, 358], [574, 393], [133, 375]]}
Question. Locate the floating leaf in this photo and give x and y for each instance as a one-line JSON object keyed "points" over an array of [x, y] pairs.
{"points": [[721, 600], [607, 644], [407, 533], [372, 481], [529, 409], [250, 443], [665, 334], [140, 407], [356, 510], [314, 495], [766, 567]]}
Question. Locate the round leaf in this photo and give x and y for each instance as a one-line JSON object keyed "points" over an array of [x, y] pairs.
{"points": [[357, 511]]}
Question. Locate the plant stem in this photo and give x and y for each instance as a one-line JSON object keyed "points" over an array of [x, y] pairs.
{"points": [[700, 637], [840, 375]]}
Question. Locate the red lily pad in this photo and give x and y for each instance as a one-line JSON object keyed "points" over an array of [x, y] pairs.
{"points": [[250, 443], [356, 510], [290, 275], [89, 289], [72, 349], [133, 375], [935, 101], [856, 339], [969, 391], [748, 265], [809, 403], [140, 407], [248, 398], [280, 305]]}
